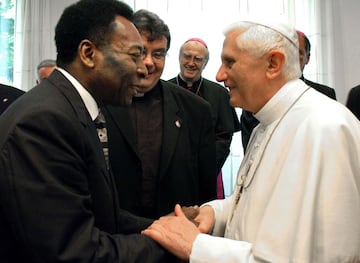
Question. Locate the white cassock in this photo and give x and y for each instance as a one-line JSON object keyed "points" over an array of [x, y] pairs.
{"points": [[301, 178]]}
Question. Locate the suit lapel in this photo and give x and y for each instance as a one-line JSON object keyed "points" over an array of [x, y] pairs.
{"points": [[64, 85], [70, 92], [173, 122], [120, 117]]}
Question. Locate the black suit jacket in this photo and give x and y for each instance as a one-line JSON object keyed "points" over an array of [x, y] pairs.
{"points": [[8, 95], [353, 101], [57, 199], [330, 92], [248, 122], [224, 117], [187, 172]]}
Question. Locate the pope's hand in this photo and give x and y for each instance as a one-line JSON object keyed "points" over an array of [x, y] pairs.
{"points": [[205, 219]]}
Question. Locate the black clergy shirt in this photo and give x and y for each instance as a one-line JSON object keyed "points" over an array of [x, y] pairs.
{"points": [[147, 116]]}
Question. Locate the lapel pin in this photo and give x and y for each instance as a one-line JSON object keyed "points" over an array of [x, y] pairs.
{"points": [[178, 123]]}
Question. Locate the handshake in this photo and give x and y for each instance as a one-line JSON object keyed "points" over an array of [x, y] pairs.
{"points": [[191, 212], [178, 230]]}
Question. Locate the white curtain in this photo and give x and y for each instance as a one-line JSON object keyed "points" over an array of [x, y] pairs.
{"points": [[34, 37]]}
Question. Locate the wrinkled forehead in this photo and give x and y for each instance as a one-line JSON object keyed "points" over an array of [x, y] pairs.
{"points": [[194, 47], [233, 37]]}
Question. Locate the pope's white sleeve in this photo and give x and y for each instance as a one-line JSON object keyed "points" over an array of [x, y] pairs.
{"points": [[215, 248], [210, 249], [222, 208]]}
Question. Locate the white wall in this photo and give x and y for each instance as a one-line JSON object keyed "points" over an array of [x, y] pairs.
{"points": [[346, 39]]}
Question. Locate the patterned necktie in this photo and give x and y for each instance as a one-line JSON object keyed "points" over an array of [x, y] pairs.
{"points": [[102, 133]]}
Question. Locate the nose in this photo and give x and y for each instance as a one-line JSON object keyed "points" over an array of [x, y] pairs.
{"points": [[141, 69], [148, 59], [220, 75], [191, 61]]}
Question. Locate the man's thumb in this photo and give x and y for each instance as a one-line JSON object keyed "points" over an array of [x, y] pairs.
{"points": [[178, 211]]}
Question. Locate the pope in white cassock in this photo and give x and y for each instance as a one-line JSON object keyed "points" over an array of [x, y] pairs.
{"points": [[297, 197]]}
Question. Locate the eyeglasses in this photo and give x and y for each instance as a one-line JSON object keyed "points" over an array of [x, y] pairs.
{"points": [[156, 55], [196, 59]]}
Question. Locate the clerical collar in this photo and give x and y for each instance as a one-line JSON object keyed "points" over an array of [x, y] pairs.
{"points": [[280, 103], [187, 84], [195, 87], [152, 94]]}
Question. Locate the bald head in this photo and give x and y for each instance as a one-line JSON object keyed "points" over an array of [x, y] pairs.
{"points": [[193, 57]]}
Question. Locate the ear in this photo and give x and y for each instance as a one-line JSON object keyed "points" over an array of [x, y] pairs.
{"points": [[87, 52], [203, 67], [276, 60], [307, 59]]}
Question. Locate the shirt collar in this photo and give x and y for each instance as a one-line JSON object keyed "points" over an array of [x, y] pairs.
{"points": [[277, 106], [86, 97], [186, 84]]}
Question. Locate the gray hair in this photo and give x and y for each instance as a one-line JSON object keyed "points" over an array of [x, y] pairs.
{"points": [[258, 39], [46, 63]]}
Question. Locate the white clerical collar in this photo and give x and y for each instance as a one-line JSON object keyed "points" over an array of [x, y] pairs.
{"points": [[88, 100], [281, 101], [188, 83]]}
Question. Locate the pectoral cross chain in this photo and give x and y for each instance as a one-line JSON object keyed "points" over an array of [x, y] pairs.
{"points": [[237, 198]]}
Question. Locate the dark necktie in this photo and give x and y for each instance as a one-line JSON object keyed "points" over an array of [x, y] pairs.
{"points": [[102, 133]]}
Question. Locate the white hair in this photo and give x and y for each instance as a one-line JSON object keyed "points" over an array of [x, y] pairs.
{"points": [[258, 39]]}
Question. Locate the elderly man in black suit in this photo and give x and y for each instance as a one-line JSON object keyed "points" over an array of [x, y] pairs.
{"points": [[193, 58], [248, 121], [8, 95], [58, 201], [162, 148]]}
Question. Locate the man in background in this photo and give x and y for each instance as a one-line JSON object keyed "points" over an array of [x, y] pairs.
{"points": [[193, 58], [247, 120], [58, 201], [304, 58], [44, 69], [8, 95], [162, 148]]}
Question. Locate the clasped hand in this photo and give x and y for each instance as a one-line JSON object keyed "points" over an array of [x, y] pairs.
{"points": [[177, 231]]}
